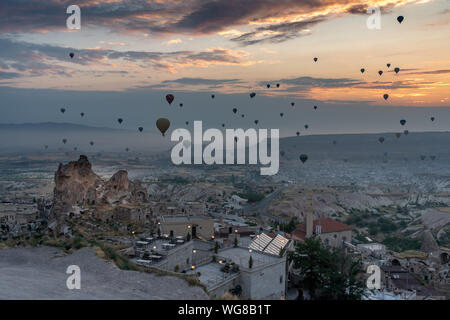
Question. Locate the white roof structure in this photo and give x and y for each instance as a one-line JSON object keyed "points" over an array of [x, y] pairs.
{"points": [[266, 244]]}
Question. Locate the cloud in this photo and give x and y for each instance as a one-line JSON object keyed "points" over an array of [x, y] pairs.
{"points": [[9, 75], [441, 71], [38, 59], [284, 18], [202, 81], [174, 41], [309, 82]]}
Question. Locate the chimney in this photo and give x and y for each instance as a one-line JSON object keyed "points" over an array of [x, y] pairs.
{"points": [[309, 219], [309, 224]]}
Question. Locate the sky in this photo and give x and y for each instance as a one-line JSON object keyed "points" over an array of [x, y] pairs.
{"points": [[130, 54]]}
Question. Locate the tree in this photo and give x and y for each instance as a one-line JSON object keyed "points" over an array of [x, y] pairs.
{"points": [[250, 262], [236, 243], [188, 236], [326, 274]]}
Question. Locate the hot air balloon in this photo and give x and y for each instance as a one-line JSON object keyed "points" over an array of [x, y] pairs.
{"points": [[62, 110], [242, 115], [388, 65], [362, 70], [278, 85], [181, 105], [423, 157], [400, 19], [75, 149], [298, 133], [82, 114], [315, 107], [315, 59], [187, 123], [398, 134], [256, 121], [292, 104], [120, 120], [223, 125], [380, 72], [303, 158], [162, 124], [385, 96], [406, 132], [397, 69], [46, 147], [268, 85], [403, 122], [252, 95], [71, 55], [381, 139], [91, 143], [334, 142], [213, 96], [306, 126], [126, 149], [281, 114], [282, 153], [170, 98], [432, 118], [433, 158], [234, 110], [64, 141], [140, 129]]}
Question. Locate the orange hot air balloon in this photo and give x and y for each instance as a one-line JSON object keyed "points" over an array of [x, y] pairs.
{"points": [[163, 124]]}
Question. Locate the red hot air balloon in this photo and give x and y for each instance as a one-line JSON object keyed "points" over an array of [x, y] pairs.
{"points": [[170, 98]]}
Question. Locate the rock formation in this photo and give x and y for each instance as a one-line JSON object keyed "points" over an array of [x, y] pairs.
{"points": [[77, 186]]}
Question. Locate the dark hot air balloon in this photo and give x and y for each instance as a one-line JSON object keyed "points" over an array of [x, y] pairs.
{"points": [[388, 65], [268, 86], [140, 129], [82, 114], [397, 69], [242, 115], [385, 96], [64, 141], [303, 158], [71, 55], [234, 110], [362, 70], [181, 105], [170, 98], [292, 104], [298, 133], [432, 118], [278, 85], [91, 143], [403, 122], [398, 134], [406, 132], [306, 126], [187, 123], [315, 107], [256, 121], [282, 153], [380, 72], [252, 95], [213, 96], [281, 114], [120, 120], [334, 142], [315, 59], [62, 110], [163, 124], [400, 19], [381, 139], [223, 125]]}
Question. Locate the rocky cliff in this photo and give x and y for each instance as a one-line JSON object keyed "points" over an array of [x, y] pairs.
{"points": [[76, 185]]}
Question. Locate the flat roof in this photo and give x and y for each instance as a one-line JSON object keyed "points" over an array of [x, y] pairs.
{"points": [[211, 274], [241, 256]]}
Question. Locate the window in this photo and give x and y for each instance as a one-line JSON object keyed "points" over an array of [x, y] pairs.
{"points": [[281, 279]]}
